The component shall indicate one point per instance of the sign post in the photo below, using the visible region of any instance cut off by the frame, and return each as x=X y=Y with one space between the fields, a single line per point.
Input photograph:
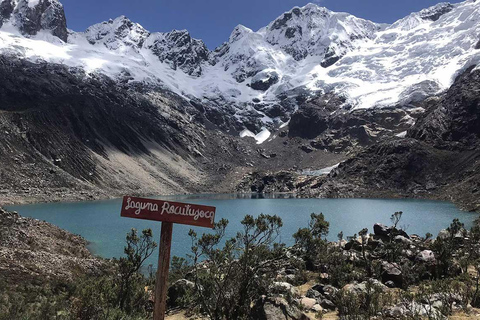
x=168 y=213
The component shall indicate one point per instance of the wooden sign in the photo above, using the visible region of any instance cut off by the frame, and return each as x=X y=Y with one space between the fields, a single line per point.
x=168 y=212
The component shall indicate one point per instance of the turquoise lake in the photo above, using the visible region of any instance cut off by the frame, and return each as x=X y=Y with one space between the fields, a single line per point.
x=100 y=223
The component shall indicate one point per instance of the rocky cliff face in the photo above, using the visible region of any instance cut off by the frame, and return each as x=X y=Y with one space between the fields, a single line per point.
x=33 y=16
x=177 y=48
x=65 y=132
x=455 y=119
x=255 y=78
x=439 y=158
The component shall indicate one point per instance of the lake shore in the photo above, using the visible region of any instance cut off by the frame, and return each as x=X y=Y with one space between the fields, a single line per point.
x=54 y=196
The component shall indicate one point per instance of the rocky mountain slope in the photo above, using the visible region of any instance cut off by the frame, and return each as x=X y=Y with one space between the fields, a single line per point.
x=308 y=51
x=69 y=136
x=35 y=252
x=119 y=109
x=438 y=158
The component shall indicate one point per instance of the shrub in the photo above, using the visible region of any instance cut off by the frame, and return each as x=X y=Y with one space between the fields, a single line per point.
x=229 y=278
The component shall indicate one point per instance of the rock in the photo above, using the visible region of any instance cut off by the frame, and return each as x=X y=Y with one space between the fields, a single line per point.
x=381 y=230
x=443 y=234
x=179 y=50
x=264 y=79
x=318 y=287
x=392 y=272
x=427 y=257
x=308 y=303
x=314 y=294
x=390 y=284
x=274 y=308
x=178 y=290
x=30 y=19
x=307 y=149
x=313 y=118
x=402 y=239
x=362 y=287
x=373 y=243
x=317 y=308
x=325 y=290
x=396 y=312
x=327 y=304
x=353 y=244
x=329 y=291
x=283 y=288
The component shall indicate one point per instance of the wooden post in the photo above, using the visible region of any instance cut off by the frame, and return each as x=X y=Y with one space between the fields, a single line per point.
x=168 y=212
x=161 y=285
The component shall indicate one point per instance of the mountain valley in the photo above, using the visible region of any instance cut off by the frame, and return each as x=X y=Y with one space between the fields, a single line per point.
x=318 y=103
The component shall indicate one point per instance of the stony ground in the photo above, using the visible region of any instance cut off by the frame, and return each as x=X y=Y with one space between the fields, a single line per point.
x=33 y=251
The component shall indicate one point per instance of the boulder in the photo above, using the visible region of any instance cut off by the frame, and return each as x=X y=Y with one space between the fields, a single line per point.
x=329 y=291
x=178 y=291
x=427 y=257
x=314 y=294
x=392 y=272
x=273 y=308
x=381 y=230
x=362 y=287
x=318 y=287
x=443 y=234
x=308 y=303
x=353 y=244
x=317 y=308
x=327 y=304
x=283 y=288
x=264 y=79
x=402 y=239
x=325 y=290
x=373 y=243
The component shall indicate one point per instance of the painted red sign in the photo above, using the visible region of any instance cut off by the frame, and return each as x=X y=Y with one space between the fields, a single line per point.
x=168 y=211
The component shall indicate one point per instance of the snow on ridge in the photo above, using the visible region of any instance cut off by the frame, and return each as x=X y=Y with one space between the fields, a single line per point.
x=372 y=65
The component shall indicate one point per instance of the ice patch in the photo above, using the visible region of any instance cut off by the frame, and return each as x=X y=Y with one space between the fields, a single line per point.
x=401 y=134
x=32 y=3
x=320 y=172
x=260 y=137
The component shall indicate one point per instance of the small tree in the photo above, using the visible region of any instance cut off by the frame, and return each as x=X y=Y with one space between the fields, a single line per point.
x=311 y=240
x=395 y=218
x=138 y=250
x=229 y=279
x=447 y=247
x=366 y=261
x=393 y=250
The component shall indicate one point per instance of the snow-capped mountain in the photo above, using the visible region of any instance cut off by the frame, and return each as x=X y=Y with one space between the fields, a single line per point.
x=32 y=16
x=308 y=51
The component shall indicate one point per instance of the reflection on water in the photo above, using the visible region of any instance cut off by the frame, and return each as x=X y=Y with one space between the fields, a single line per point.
x=231 y=196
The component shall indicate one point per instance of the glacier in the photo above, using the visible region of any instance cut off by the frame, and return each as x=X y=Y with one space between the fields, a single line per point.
x=309 y=50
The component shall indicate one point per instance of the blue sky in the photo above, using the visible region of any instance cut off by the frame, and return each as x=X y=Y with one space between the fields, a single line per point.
x=213 y=20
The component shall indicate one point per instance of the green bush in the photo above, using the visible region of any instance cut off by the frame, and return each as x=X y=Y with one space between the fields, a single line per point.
x=229 y=278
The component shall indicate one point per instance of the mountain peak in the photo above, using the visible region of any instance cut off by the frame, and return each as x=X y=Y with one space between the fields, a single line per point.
x=178 y=49
x=423 y=16
x=117 y=33
x=32 y=16
x=316 y=31
x=238 y=32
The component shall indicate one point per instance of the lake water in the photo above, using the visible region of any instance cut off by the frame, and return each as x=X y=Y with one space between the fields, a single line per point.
x=100 y=223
